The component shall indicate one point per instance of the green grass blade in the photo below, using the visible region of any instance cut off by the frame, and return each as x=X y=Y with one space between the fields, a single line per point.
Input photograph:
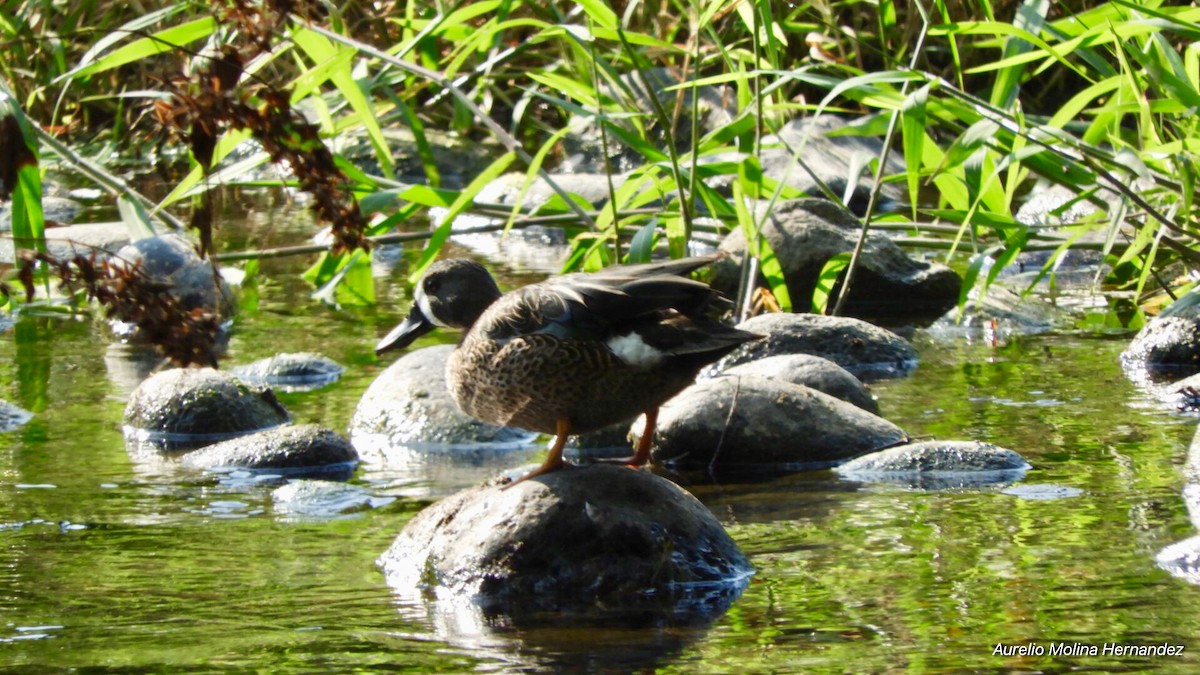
x=830 y=272
x=322 y=50
x=913 y=121
x=165 y=40
x=460 y=204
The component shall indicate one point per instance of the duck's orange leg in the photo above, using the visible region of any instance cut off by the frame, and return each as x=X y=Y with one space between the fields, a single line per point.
x=642 y=455
x=554 y=461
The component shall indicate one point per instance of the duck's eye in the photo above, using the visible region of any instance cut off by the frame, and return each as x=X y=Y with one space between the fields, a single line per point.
x=431 y=286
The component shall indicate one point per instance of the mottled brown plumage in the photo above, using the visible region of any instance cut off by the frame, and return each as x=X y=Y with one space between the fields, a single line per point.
x=574 y=353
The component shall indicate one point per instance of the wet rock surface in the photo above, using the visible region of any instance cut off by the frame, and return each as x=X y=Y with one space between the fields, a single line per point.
x=323 y=499
x=938 y=465
x=594 y=536
x=291 y=372
x=1181 y=559
x=805 y=233
x=866 y=351
x=306 y=448
x=997 y=317
x=1167 y=348
x=12 y=416
x=747 y=422
x=409 y=406
x=190 y=407
x=811 y=371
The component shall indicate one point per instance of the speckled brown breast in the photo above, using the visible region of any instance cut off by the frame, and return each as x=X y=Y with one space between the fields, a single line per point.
x=532 y=381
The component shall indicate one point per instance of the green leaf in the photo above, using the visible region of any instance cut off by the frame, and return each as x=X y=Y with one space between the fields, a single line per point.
x=21 y=158
x=1031 y=15
x=831 y=271
x=599 y=12
x=321 y=50
x=351 y=284
x=136 y=219
x=464 y=199
x=168 y=39
x=642 y=244
x=912 y=117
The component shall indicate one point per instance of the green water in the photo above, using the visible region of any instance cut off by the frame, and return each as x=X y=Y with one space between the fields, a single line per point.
x=106 y=565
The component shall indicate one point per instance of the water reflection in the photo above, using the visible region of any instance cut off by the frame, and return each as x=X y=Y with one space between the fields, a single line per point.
x=649 y=633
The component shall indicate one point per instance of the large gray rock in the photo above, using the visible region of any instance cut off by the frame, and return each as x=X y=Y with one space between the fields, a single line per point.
x=867 y=351
x=186 y=408
x=815 y=372
x=746 y=422
x=302 y=449
x=409 y=406
x=937 y=465
x=593 y=536
x=805 y=233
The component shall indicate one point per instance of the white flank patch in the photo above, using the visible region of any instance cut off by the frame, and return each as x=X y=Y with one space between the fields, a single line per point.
x=423 y=303
x=633 y=350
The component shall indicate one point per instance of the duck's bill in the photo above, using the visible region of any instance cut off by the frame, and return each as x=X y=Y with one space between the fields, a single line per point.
x=413 y=327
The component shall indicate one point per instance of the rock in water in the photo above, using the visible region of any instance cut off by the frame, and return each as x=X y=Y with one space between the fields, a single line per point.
x=409 y=406
x=185 y=408
x=303 y=449
x=738 y=423
x=583 y=537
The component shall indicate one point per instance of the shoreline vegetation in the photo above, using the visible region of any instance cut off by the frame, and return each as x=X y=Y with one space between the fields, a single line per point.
x=983 y=103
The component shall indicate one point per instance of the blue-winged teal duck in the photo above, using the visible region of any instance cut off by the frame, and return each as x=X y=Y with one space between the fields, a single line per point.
x=574 y=353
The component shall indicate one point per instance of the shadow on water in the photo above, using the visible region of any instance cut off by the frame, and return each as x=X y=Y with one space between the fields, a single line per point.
x=648 y=633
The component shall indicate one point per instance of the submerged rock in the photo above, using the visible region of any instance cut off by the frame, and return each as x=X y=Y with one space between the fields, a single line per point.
x=301 y=371
x=805 y=233
x=997 y=315
x=744 y=422
x=304 y=449
x=12 y=416
x=409 y=406
x=938 y=465
x=323 y=499
x=1182 y=560
x=867 y=351
x=593 y=536
x=185 y=408
x=811 y=371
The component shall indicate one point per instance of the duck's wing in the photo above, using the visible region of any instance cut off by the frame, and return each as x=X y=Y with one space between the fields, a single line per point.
x=622 y=292
x=596 y=305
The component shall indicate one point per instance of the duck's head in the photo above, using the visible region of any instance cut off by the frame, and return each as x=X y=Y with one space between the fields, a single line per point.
x=451 y=294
